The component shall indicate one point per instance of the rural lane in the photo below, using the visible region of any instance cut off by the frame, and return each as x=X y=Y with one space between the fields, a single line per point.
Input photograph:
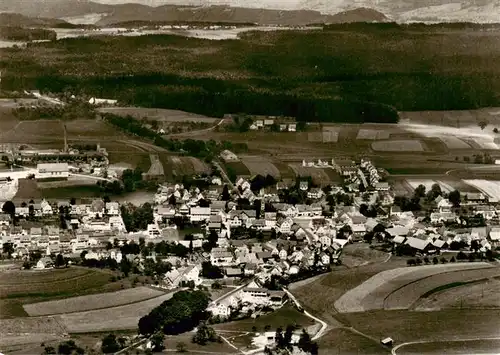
x=324 y=325
x=195 y=133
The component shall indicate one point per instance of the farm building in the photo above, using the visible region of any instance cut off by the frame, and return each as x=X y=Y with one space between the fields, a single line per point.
x=52 y=171
x=96 y=101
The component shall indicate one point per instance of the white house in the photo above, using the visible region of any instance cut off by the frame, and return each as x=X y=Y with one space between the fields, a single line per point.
x=112 y=208
x=382 y=186
x=221 y=257
x=44 y=263
x=443 y=204
x=315 y=193
x=52 y=171
x=200 y=214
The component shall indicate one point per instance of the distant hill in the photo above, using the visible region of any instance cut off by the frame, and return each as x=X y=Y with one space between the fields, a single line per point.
x=18 y=20
x=86 y=12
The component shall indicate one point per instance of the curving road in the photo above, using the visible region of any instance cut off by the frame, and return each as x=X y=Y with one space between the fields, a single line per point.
x=324 y=325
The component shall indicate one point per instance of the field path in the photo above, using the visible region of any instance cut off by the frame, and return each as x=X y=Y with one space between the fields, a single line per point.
x=198 y=132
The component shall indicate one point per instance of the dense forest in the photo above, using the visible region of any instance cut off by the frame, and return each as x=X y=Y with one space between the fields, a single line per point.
x=342 y=73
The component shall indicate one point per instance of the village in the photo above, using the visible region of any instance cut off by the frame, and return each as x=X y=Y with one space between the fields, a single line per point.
x=256 y=237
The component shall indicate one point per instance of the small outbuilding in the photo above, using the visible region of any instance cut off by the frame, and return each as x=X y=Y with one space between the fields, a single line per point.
x=387 y=341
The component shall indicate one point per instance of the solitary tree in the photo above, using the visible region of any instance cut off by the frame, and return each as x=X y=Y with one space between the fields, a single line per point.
x=9 y=208
x=454 y=198
x=109 y=344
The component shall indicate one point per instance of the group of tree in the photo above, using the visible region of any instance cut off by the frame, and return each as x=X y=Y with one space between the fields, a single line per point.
x=74 y=109
x=283 y=342
x=427 y=261
x=205 y=334
x=181 y=313
x=68 y=347
x=112 y=344
x=137 y=218
x=210 y=271
x=198 y=148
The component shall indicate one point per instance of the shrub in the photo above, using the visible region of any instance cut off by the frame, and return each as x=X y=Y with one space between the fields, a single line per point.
x=443 y=260
x=435 y=260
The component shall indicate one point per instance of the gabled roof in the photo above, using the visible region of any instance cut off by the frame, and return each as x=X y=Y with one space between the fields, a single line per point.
x=416 y=243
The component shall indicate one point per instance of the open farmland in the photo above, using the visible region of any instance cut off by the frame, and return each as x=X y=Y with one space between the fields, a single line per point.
x=373 y=134
x=181 y=165
x=22 y=287
x=238 y=167
x=92 y=129
x=456 y=119
x=408 y=145
x=90 y=302
x=372 y=294
x=260 y=166
x=39 y=131
x=406 y=296
x=318 y=175
x=481 y=294
x=7 y=120
x=285 y=171
x=162 y=115
x=408 y=326
x=113 y=318
x=454 y=143
x=490 y=188
x=30 y=329
x=199 y=167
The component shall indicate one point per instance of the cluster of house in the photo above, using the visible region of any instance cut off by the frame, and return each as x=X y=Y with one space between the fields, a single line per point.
x=248 y=297
x=363 y=174
x=283 y=124
x=87 y=225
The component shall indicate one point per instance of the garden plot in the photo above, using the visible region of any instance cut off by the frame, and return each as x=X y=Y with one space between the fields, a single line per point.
x=114 y=318
x=260 y=166
x=373 y=134
x=454 y=143
x=90 y=302
x=491 y=188
x=409 y=145
x=370 y=295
